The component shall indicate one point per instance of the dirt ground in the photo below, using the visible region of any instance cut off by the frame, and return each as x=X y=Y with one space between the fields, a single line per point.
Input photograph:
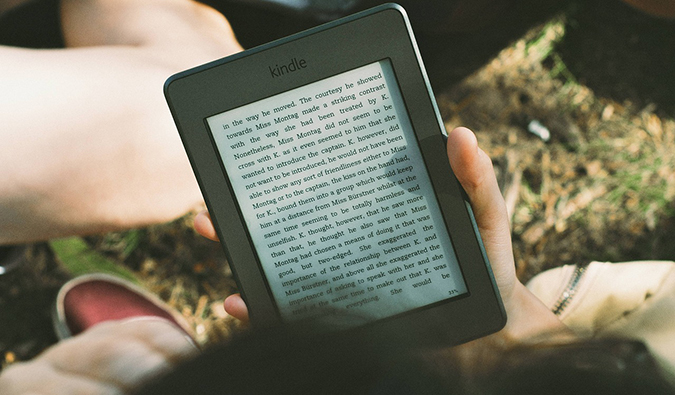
x=596 y=74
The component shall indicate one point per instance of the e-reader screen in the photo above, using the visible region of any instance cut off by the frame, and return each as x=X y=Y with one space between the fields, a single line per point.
x=332 y=186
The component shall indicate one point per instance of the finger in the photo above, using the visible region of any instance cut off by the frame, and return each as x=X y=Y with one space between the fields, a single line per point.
x=235 y=306
x=204 y=226
x=40 y=377
x=123 y=353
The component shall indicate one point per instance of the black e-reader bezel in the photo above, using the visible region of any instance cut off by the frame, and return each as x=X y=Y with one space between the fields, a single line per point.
x=381 y=33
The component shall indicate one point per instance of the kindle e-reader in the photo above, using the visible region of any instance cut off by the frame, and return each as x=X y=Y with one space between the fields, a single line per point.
x=322 y=161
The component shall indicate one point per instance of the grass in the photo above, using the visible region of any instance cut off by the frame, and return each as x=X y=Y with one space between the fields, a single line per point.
x=79 y=258
x=609 y=197
x=607 y=194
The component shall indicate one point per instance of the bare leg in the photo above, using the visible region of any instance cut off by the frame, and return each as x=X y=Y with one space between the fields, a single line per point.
x=88 y=144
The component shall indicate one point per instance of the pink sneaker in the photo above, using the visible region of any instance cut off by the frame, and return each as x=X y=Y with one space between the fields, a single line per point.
x=93 y=298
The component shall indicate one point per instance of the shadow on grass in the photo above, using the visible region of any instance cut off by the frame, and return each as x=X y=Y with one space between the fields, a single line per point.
x=449 y=56
x=621 y=53
x=26 y=297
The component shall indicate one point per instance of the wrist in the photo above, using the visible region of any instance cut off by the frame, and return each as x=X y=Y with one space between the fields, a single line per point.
x=529 y=322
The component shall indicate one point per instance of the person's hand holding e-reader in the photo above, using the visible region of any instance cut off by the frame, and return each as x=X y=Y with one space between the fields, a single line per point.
x=321 y=158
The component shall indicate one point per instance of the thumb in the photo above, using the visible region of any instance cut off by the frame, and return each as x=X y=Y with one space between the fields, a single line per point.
x=473 y=168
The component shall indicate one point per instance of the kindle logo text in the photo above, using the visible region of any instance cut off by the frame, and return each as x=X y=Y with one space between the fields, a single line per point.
x=294 y=65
